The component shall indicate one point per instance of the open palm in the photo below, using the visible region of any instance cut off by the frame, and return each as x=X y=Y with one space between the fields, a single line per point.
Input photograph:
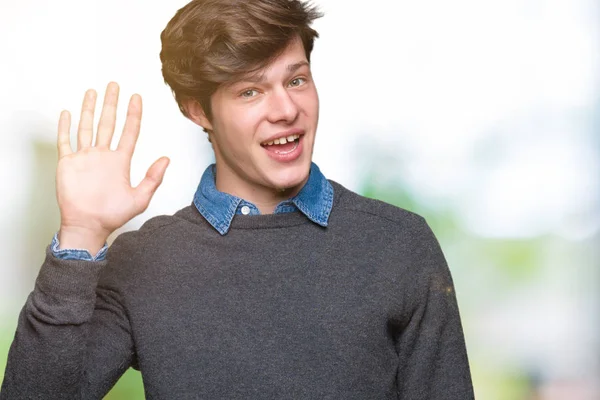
x=93 y=185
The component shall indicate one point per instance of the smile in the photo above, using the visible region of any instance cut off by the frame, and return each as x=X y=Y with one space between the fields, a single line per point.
x=284 y=149
x=282 y=145
x=288 y=149
x=281 y=140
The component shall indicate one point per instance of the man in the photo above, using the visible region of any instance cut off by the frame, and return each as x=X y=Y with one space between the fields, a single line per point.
x=273 y=283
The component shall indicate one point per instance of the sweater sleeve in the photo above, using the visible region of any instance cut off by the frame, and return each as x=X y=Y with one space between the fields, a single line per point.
x=433 y=360
x=73 y=336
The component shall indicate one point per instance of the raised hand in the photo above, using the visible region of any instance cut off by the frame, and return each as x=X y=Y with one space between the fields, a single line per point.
x=93 y=185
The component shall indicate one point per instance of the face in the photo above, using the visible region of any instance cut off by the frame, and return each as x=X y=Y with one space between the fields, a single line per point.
x=282 y=102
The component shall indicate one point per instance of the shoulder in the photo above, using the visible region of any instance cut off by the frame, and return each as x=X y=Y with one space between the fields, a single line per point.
x=131 y=251
x=154 y=234
x=354 y=207
x=395 y=237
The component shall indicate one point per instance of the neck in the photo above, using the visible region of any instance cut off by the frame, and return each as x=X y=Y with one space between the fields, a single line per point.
x=265 y=198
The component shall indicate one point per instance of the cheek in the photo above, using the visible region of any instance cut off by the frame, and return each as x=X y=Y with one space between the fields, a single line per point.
x=309 y=102
x=231 y=121
x=239 y=127
x=316 y=107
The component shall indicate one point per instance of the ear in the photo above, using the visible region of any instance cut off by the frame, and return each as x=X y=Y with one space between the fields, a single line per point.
x=196 y=114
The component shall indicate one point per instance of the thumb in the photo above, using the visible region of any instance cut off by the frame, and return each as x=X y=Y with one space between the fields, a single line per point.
x=146 y=188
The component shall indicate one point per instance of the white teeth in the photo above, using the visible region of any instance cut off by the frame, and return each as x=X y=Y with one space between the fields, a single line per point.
x=282 y=140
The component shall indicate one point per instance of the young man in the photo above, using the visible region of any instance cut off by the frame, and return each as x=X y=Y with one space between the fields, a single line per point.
x=273 y=283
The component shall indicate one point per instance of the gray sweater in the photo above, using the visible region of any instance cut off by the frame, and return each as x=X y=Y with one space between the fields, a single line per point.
x=279 y=308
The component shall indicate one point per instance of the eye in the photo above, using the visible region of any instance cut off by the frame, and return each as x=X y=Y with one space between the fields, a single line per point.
x=248 y=93
x=297 y=81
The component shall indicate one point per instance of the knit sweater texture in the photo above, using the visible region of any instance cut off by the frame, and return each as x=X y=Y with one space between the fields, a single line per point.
x=278 y=308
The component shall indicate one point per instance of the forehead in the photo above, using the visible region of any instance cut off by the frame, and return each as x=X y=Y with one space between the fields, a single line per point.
x=289 y=60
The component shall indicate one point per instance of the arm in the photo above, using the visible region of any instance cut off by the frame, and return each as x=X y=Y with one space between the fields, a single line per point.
x=73 y=337
x=76 y=254
x=433 y=360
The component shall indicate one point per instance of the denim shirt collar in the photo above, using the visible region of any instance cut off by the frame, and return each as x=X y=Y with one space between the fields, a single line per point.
x=314 y=200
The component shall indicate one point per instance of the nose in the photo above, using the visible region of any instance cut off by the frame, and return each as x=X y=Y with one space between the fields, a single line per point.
x=282 y=107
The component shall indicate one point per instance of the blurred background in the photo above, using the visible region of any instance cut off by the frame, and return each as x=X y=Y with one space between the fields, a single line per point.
x=482 y=116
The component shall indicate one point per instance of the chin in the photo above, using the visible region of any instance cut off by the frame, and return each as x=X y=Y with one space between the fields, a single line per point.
x=283 y=186
x=291 y=180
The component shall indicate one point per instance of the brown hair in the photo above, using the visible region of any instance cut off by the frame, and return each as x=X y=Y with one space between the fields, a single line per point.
x=211 y=42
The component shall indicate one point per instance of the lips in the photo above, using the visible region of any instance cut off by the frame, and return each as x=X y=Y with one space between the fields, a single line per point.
x=284 y=148
x=286 y=152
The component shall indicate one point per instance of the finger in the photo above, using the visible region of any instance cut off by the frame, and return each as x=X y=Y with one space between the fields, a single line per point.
x=85 y=132
x=106 y=125
x=64 y=136
x=131 y=130
x=146 y=188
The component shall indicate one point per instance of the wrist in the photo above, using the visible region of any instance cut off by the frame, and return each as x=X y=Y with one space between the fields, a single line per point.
x=81 y=238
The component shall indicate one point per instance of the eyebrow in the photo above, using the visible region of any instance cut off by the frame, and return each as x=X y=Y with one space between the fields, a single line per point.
x=259 y=78
x=294 y=67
